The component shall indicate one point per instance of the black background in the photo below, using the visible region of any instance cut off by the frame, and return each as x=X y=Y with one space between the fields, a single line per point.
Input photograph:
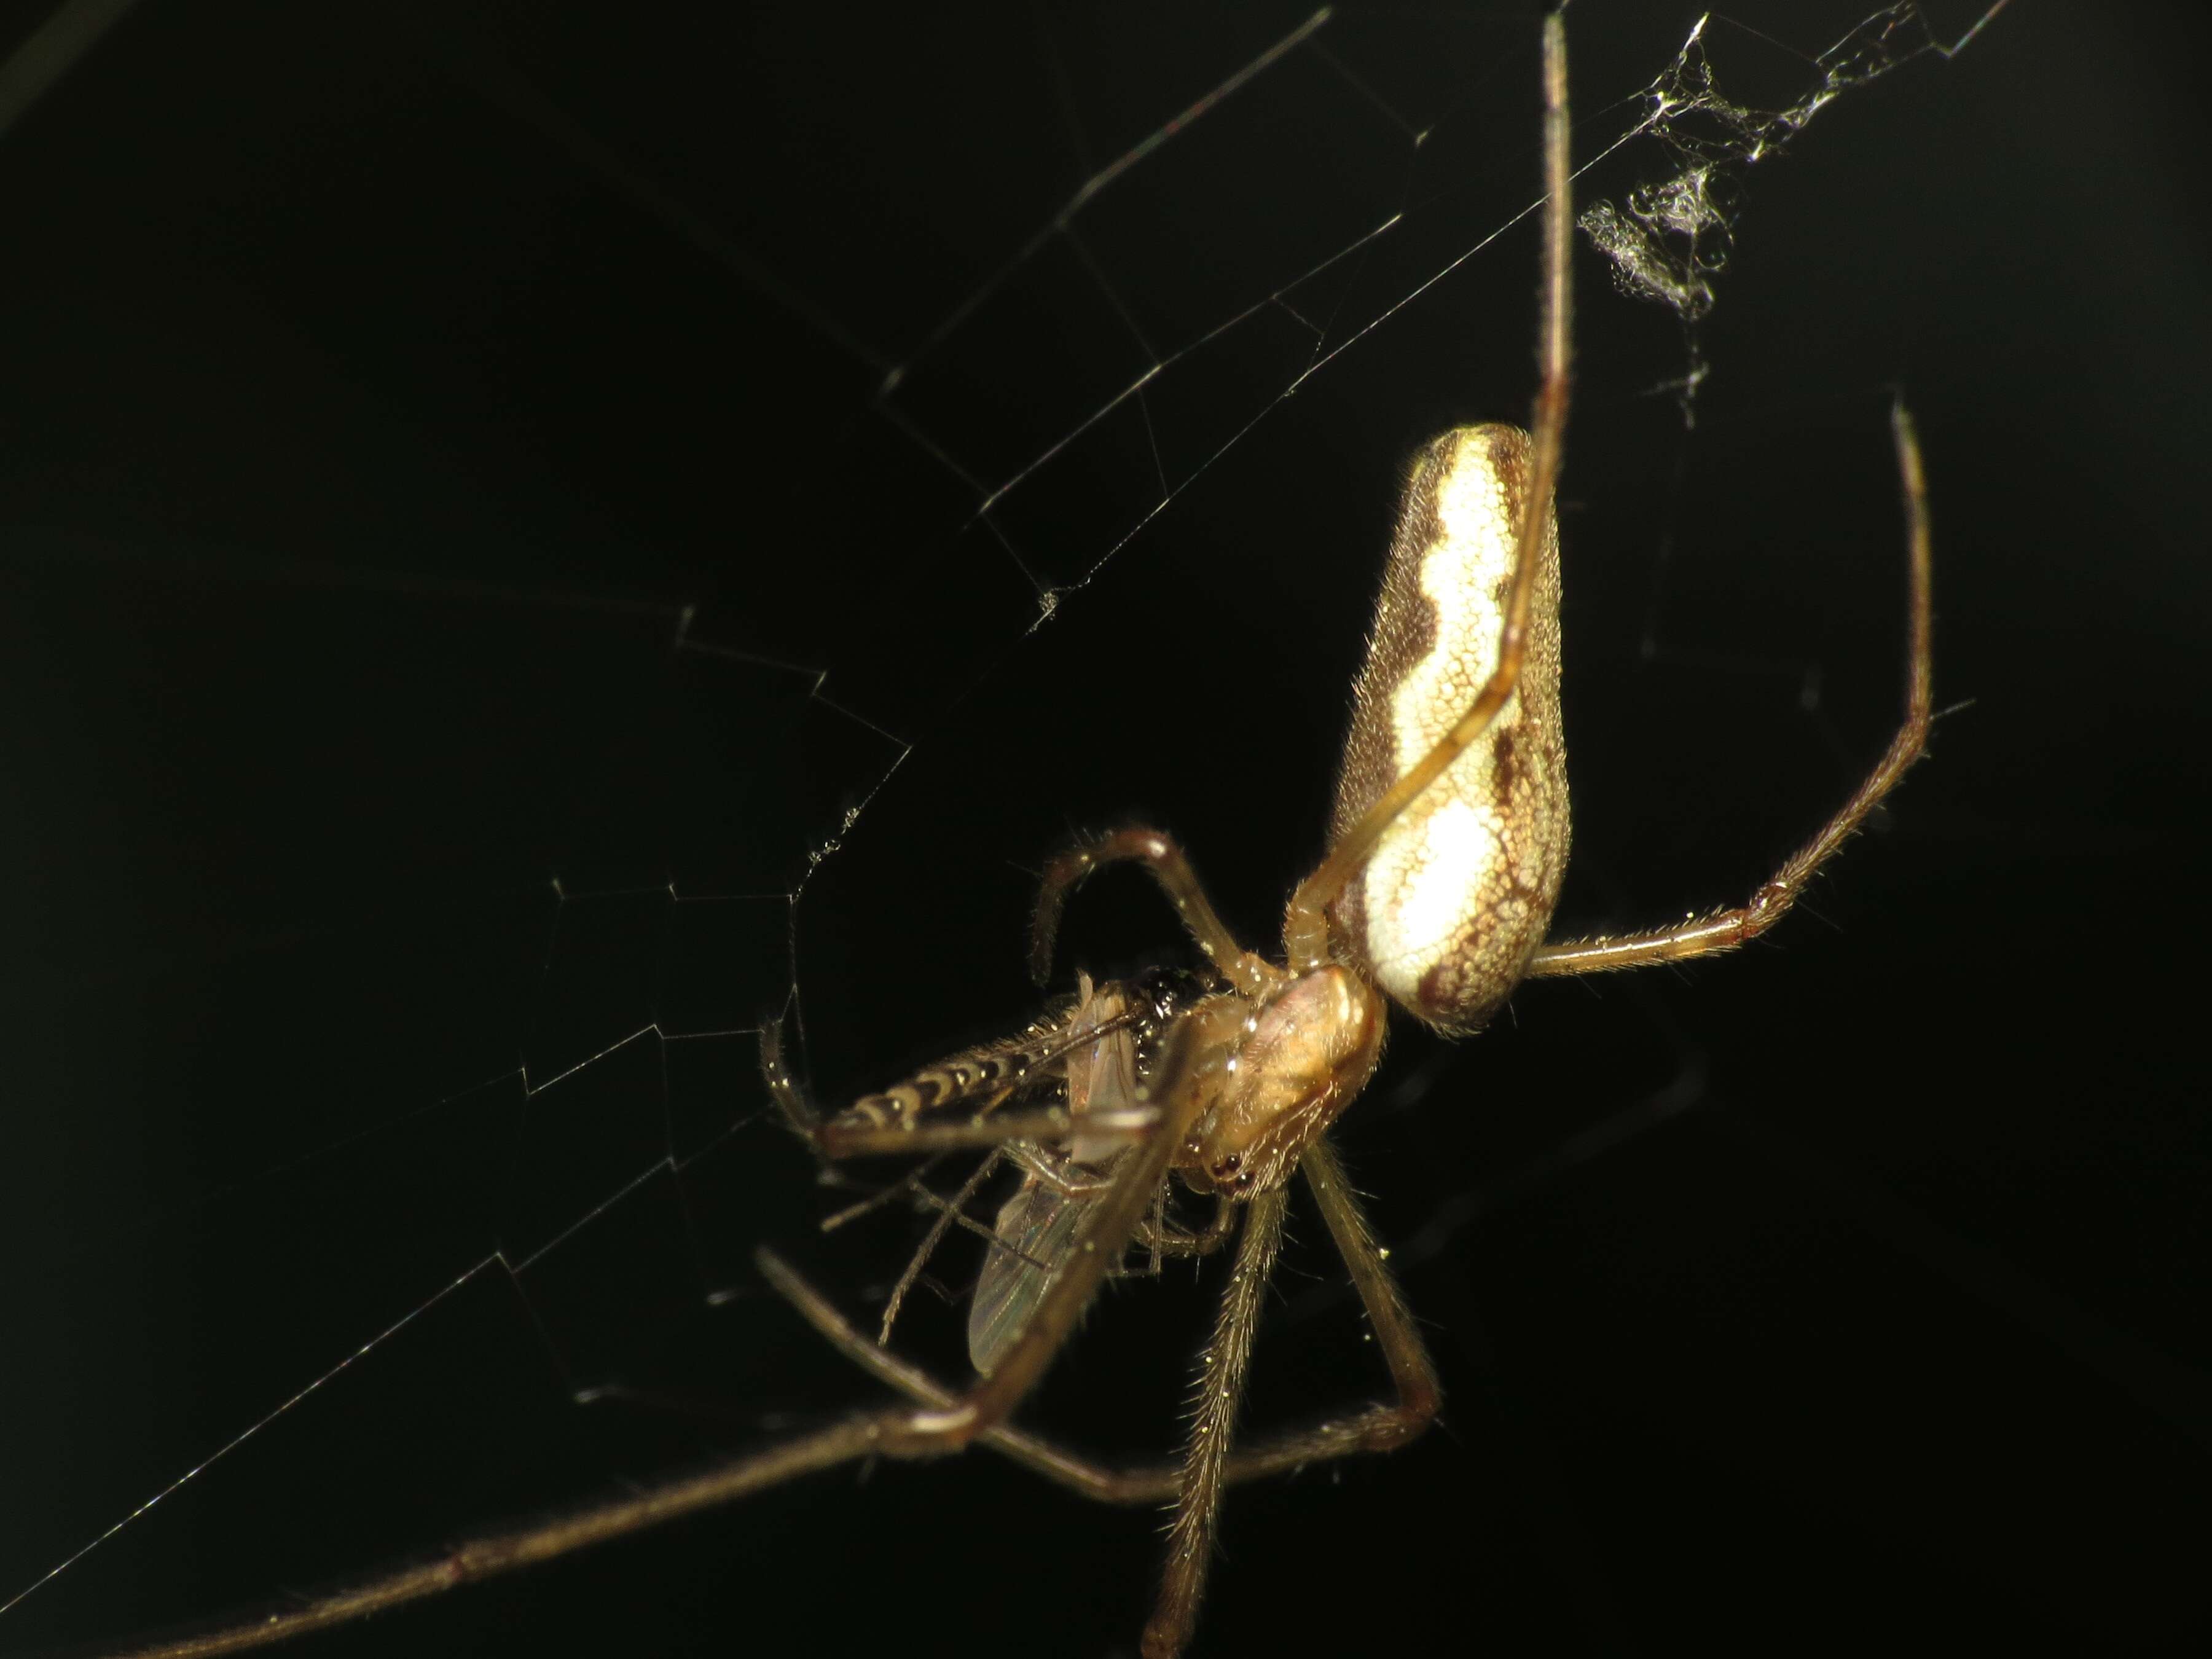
x=441 y=457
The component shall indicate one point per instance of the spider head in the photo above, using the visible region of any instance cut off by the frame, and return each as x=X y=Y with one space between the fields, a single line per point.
x=1289 y=1065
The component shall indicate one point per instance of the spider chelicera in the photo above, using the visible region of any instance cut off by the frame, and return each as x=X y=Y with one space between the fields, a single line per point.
x=1446 y=848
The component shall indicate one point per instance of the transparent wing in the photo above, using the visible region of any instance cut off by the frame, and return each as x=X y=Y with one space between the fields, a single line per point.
x=1035 y=1230
x=1036 y=1227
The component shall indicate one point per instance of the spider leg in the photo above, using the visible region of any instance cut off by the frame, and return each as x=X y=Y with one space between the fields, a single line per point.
x=936 y=1429
x=1164 y=860
x=1139 y=1483
x=840 y=1140
x=497 y=1554
x=1208 y=1465
x=1727 y=929
x=1305 y=928
x=1222 y=1370
x=1380 y=1426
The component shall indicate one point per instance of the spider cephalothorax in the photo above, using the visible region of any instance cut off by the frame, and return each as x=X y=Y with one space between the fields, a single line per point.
x=1288 y=1063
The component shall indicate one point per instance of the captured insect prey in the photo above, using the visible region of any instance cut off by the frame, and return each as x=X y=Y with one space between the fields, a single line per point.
x=1167 y=1113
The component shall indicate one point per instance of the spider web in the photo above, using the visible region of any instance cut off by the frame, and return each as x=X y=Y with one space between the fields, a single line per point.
x=548 y=539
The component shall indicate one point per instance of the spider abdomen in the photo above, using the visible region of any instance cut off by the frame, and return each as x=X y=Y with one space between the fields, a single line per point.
x=1460 y=887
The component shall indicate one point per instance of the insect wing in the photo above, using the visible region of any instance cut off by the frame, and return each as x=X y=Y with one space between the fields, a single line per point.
x=1036 y=1228
x=1036 y=1235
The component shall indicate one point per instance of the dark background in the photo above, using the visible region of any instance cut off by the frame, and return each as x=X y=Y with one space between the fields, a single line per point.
x=461 y=560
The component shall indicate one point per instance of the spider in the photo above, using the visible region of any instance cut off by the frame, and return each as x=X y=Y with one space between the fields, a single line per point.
x=1446 y=848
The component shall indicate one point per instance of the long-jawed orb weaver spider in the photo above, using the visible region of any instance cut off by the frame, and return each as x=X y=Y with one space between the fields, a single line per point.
x=1447 y=846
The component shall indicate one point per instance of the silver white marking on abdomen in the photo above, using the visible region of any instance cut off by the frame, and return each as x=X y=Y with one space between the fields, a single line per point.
x=1460 y=889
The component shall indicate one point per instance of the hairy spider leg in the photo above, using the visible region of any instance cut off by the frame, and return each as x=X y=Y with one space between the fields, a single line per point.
x=1210 y=1465
x=1770 y=901
x=1376 y=1427
x=931 y=1431
x=1167 y=863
